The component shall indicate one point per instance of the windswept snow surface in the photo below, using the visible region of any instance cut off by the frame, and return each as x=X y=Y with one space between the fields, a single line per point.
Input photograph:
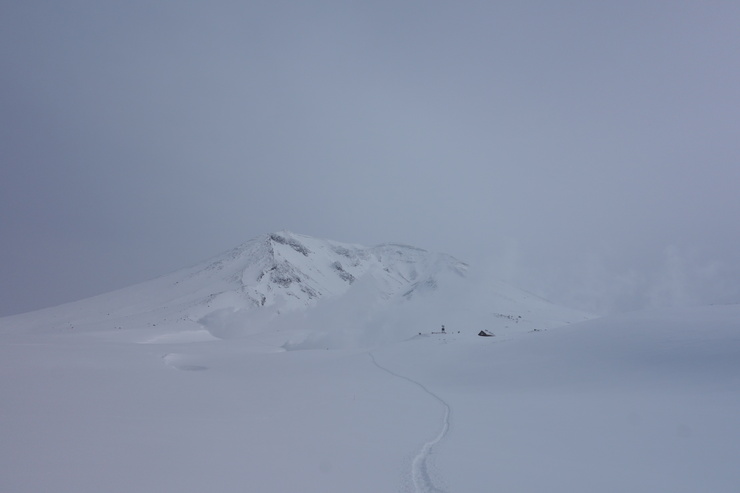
x=641 y=403
x=153 y=388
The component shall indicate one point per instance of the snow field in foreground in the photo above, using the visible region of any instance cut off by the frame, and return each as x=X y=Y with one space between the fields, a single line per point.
x=644 y=402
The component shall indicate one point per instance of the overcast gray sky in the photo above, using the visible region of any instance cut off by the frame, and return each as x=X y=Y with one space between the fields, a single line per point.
x=588 y=151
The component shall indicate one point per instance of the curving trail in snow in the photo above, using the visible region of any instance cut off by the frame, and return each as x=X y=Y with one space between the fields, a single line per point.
x=423 y=482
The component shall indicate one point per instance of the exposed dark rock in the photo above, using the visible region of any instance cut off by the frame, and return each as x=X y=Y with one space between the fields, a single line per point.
x=346 y=276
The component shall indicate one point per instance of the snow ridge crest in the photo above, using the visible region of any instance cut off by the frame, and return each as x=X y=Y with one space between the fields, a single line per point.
x=297 y=270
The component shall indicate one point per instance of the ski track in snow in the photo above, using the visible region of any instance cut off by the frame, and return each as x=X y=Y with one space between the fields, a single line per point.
x=423 y=482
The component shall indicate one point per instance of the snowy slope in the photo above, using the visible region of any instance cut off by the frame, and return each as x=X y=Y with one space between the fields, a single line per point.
x=301 y=291
x=642 y=403
x=219 y=379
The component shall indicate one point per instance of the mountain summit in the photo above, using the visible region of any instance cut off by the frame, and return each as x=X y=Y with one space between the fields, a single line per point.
x=298 y=270
x=294 y=290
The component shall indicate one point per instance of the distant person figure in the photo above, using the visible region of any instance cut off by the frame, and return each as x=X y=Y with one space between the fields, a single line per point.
x=443 y=329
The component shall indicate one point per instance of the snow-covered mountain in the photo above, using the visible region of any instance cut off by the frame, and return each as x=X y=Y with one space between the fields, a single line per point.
x=192 y=382
x=299 y=291
x=296 y=271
